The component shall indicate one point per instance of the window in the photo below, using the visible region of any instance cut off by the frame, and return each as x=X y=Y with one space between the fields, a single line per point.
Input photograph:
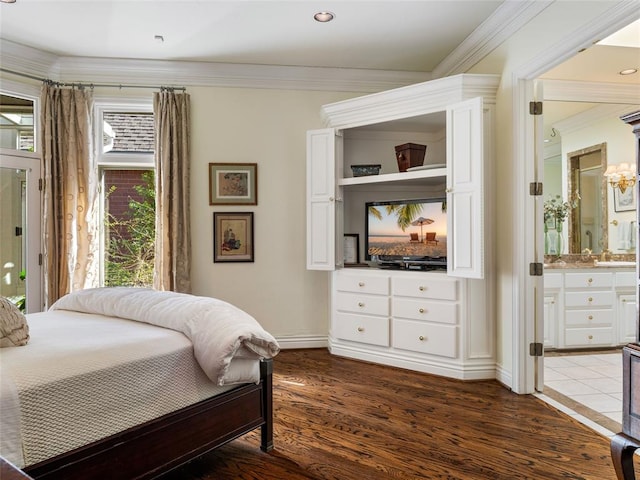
x=16 y=123
x=20 y=201
x=126 y=168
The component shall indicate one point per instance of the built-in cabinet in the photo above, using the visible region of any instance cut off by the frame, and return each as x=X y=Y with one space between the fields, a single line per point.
x=588 y=308
x=427 y=321
x=437 y=322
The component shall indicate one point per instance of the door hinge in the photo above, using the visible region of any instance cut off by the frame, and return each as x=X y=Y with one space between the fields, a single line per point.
x=535 y=349
x=535 y=188
x=535 y=108
x=535 y=269
x=40 y=184
x=40 y=259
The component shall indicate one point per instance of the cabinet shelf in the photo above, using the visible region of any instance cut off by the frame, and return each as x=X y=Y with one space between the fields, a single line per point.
x=394 y=177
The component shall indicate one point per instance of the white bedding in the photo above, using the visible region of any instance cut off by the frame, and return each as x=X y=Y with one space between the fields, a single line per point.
x=220 y=332
x=106 y=374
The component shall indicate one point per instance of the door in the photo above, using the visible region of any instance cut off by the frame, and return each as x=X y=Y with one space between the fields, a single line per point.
x=465 y=193
x=20 y=230
x=321 y=199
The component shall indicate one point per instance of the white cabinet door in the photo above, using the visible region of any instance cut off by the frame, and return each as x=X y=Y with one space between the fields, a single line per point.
x=550 y=319
x=627 y=318
x=321 y=211
x=465 y=195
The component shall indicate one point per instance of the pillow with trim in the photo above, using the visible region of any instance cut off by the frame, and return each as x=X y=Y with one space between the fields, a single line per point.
x=14 y=330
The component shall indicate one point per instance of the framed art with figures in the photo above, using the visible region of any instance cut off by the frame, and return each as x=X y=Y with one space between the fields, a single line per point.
x=233 y=237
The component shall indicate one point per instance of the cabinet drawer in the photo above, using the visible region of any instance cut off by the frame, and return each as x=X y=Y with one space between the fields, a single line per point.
x=588 y=318
x=426 y=287
x=426 y=338
x=625 y=279
x=364 y=304
x=375 y=284
x=589 y=299
x=588 y=280
x=360 y=328
x=552 y=280
x=586 y=337
x=440 y=312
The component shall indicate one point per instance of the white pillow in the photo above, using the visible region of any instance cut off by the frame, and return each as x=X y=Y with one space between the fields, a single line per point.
x=14 y=330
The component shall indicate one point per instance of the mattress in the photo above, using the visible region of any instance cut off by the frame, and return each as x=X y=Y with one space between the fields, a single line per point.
x=84 y=377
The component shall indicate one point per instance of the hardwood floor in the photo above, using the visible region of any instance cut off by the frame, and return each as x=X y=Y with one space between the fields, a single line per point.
x=342 y=419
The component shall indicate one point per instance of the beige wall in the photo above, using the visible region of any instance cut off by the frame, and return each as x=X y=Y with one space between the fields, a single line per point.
x=267 y=127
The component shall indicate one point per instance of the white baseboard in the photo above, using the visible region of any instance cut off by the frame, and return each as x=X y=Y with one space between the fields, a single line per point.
x=303 y=341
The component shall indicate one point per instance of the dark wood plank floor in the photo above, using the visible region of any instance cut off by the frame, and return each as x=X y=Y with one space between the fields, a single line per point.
x=342 y=419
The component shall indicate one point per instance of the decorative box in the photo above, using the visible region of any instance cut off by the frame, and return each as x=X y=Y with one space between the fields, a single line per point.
x=365 y=170
x=410 y=155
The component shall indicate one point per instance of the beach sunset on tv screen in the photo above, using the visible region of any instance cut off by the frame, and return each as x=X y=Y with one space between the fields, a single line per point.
x=424 y=234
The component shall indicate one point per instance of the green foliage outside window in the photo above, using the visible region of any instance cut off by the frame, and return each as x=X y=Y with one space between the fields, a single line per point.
x=130 y=241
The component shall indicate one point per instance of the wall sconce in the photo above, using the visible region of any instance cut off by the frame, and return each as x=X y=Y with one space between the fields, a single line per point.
x=620 y=176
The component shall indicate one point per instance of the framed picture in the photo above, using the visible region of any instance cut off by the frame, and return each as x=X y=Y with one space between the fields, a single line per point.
x=233 y=184
x=351 y=248
x=624 y=202
x=233 y=237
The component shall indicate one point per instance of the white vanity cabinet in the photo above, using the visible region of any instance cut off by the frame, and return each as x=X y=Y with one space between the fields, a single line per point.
x=595 y=307
x=423 y=321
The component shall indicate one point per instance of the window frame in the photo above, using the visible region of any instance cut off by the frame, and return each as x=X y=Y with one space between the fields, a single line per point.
x=116 y=161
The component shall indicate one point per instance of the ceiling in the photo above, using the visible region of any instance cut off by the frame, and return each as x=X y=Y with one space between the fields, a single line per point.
x=381 y=35
x=392 y=35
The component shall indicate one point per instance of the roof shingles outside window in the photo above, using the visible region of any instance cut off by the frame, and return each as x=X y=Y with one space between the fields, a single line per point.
x=134 y=132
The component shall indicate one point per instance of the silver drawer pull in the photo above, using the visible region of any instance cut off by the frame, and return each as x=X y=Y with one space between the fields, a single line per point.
x=590 y=299
x=421 y=310
x=590 y=317
x=590 y=337
x=590 y=280
x=361 y=284
x=422 y=338
x=360 y=304
x=360 y=329
x=421 y=288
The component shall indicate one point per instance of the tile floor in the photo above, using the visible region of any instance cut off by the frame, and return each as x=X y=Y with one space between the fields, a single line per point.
x=587 y=386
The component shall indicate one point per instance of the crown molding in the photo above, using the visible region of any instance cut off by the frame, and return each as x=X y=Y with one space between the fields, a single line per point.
x=508 y=18
x=592 y=92
x=35 y=63
x=595 y=114
x=614 y=18
x=413 y=100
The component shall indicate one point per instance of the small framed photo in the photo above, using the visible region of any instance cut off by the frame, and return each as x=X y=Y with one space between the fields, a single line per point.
x=624 y=202
x=351 y=248
x=233 y=184
x=233 y=237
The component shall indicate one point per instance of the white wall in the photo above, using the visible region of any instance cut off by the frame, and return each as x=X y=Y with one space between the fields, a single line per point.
x=267 y=127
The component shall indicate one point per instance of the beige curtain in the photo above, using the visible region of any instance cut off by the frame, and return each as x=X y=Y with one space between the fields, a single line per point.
x=70 y=192
x=173 y=231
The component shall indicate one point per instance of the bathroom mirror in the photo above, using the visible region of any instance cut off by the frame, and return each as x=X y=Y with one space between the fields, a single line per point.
x=588 y=221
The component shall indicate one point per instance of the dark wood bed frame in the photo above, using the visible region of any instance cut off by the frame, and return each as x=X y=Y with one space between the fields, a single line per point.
x=155 y=447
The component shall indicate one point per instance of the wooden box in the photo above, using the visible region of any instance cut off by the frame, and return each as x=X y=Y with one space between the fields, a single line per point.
x=410 y=155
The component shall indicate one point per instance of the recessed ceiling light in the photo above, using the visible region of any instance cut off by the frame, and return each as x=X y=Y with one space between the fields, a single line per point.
x=324 y=17
x=628 y=71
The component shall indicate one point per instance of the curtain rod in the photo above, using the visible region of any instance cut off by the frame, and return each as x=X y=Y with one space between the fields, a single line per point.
x=90 y=85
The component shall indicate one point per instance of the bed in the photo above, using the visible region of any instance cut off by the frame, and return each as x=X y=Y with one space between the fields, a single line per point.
x=130 y=383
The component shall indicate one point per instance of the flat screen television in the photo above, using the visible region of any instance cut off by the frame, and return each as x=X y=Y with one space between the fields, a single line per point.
x=407 y=232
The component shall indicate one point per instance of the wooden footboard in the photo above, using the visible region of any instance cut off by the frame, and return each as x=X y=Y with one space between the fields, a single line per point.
x=155 y=447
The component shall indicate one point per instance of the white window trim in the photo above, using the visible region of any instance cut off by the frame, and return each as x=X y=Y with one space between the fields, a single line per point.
x=116 y=161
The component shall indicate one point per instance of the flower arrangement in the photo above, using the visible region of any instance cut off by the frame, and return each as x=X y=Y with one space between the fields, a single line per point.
x=556 y=209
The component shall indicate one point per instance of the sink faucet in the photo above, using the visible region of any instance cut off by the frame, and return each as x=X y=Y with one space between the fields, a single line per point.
x=604 y=254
